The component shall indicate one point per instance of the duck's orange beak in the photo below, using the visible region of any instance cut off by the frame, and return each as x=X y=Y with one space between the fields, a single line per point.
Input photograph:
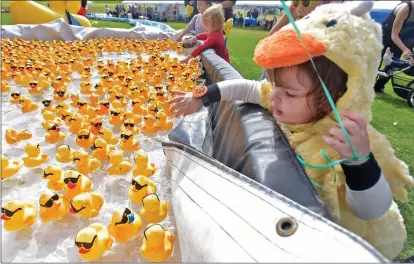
x=284 y=48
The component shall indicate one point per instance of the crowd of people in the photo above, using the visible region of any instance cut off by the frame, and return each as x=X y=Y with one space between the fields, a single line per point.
x=135 y=11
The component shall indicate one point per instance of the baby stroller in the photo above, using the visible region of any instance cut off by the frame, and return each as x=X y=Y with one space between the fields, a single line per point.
x=402 y=76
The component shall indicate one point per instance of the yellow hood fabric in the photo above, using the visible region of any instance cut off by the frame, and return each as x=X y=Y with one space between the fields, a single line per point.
x=354 y=44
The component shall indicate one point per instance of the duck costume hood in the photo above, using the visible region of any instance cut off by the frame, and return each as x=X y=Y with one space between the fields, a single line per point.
x=346 y=35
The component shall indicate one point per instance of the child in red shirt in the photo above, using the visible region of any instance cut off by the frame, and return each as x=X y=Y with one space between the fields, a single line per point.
x=213 y=22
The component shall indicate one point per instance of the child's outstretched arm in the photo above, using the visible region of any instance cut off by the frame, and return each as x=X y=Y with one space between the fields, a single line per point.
x=190 y=26
x=241 y=90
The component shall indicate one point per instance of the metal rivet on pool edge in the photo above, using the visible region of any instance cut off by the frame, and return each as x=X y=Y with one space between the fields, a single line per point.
x=286 y=226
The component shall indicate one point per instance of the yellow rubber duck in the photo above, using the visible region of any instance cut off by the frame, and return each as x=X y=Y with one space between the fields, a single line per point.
x=85 y=109
x=85 y=138
x=27 y=105
x=35 y=89
x=48 y=106
x=87 y=204
x=76 y=183
x=75 y=99
x=138 y=108
x=140 y=187
x=66 y=115
x=50 y=118
x=119 y=166
x=99 y=89
x=101 y=149
x=96 y=125
x=53 y=134
x=87 y=71
x=61 y=107
x=9 y=169
x=153 y=209
x=94 y=101
x=125 y=224
x=85 y=88
x=149 y=125
x=55 y=176
x=117 y=117
x=5 y=87
x=13 y=136
x=18 y=215
x=76 y=123
x=157 y=244
x=85 y=163
x=53 y=206
x=59 y=94
x=103 y=108
x=93 y=241
x=64 y=154
x=129 y=125
x=34 y=158
x=163 y=124
x=128 y=143
x=15 y=97
x=143 y=167
x=107 y=135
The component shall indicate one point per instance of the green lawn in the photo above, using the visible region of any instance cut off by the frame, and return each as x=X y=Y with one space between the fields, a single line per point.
x=391 y=116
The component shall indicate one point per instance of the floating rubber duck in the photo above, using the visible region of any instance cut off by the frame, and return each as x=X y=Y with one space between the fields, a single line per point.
x=130 y=125
x=140 y=187
x=125 y=224
x=117 y=117
x=53 y=206
x=76 y=183
x=119 y=165
x=13 y=136
x=34 y=88
x=101 y=149
x=85 y=109
x=107 y=135
x=93 y=241
x=76 y=123
x=149 y=125
x=9 y=169
x=50 y=118
x=166 y=108
x=48 y=106
x=142 y=166
x=75 y=99
x=66 y=115
x=61 y=107
x=103 y=108
x=85 y=163
x=5 y=87
x=87 y=204
x=87 y=72
x=15 y=97
x=119 y=102
x=85 y=139
x=128 y=143
x=64 y=154
x=53 y=134
x=18 y=215
x=138 y=108
x=99 y=89
x=96 y=125
x=94 y=101
x=153 y=209
x=34 y=158
x=55 y=176
x=27 y=105
x=85 y=88
x=163 y=124
x=157 y=244
x=59 y=94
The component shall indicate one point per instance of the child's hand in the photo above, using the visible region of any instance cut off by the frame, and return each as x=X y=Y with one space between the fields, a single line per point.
x=185 y=61
x=357 y=130
x=185 y=103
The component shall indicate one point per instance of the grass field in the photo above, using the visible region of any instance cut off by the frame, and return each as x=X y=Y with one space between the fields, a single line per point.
x=391 y=115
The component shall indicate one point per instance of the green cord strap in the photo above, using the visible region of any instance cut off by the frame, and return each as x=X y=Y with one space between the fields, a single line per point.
x=331 y=164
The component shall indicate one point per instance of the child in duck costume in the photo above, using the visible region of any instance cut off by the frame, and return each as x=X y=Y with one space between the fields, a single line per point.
x=345 y=45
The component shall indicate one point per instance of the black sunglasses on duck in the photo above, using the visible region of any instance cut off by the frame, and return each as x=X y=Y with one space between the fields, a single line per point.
x=126 y=136
x=49 y=202
x=9 y=213
x=86 y=245
x=137 y=185
x=71 y=180
x=114 y=113
x=84 y=136
x=125 y=218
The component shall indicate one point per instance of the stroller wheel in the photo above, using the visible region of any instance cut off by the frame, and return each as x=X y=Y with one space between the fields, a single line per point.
x=410 y=98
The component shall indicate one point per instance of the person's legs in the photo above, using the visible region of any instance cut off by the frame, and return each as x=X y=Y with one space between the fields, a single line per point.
x=382 y=81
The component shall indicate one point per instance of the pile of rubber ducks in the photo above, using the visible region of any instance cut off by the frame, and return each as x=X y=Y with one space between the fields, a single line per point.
x=129 y=97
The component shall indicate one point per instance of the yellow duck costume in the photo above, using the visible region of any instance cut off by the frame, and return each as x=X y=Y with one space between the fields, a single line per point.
x=353 y=43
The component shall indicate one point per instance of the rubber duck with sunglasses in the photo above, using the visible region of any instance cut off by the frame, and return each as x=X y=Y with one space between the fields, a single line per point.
x=53 y=134
x=128 y=142
x=17 y=215
x=140 y=187
x=93 y=241
x=48 y=106
x=125 y=224
x=75 y=183
x=96 y=125
x=53 y=206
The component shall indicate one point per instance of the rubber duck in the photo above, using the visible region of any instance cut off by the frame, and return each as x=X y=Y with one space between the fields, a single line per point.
x=64 y=154
x=130 y=125
x=13 y=136
x=74 y=98
x=119 y=102
x=53 y=134
x=34 y=88
x=15 y=97
x=34 y=158
x=53 y=206
x=59 y=94
x=157 y=244
x=85 y=109
x=86 y=164
x=166 y=108
x=18 y=215
x=107 y=135
x=55 y=176
x=85 y=88
x=125 y=224
x=149 y=125
x=76 y=123
x=140 y=187
x=93 y=241
x=5 y=87
x=153 y=209
x=76 y=183
x=103 y=108
x=27 y=105
x=94 y=101
x=96 y=125
x=128 y=143
x=163 y=124
x=43 y=81
x=133 y=92
x=86 y=72
x=87 y=204
x=48 y=106
x=61 y=107
x=101 y=149
x=117 y=117
x=66 y=115
x=119 y=165
x=99 y=89
x=142 y=166
x=9 y=169
x=138 y=107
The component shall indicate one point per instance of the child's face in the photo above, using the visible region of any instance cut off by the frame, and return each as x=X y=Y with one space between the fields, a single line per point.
x=289 y=101
x=202 y=6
